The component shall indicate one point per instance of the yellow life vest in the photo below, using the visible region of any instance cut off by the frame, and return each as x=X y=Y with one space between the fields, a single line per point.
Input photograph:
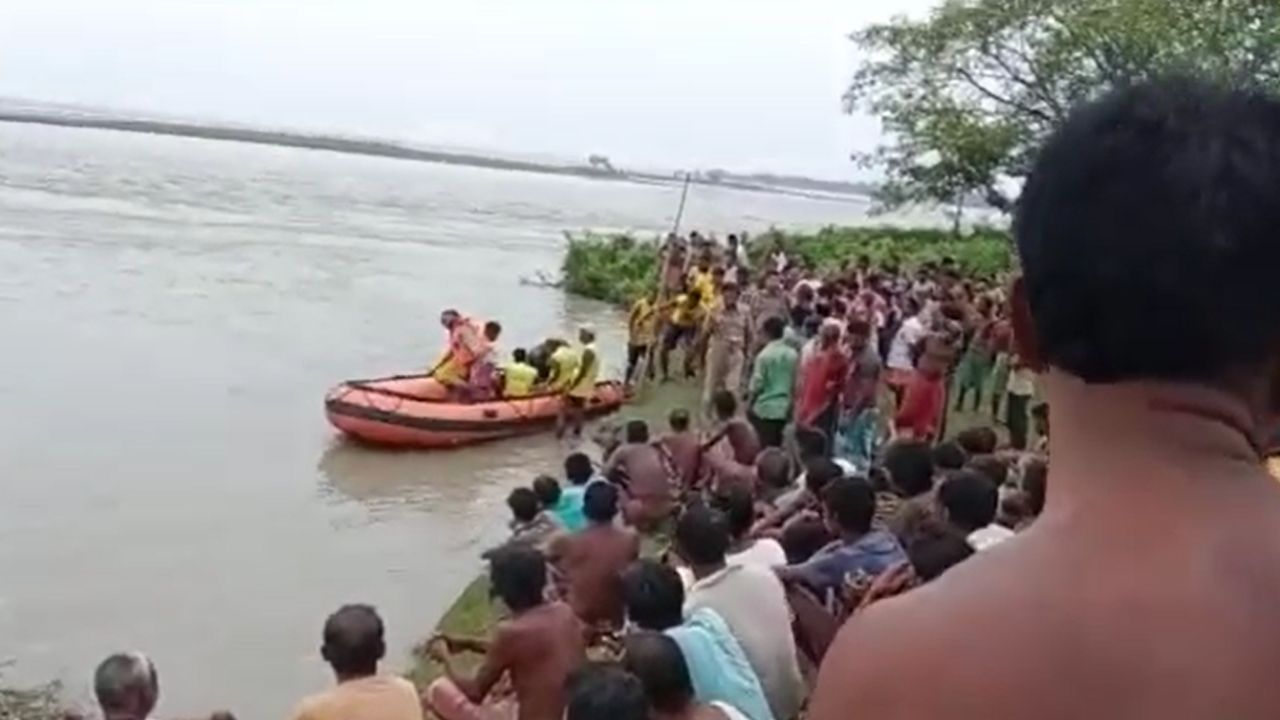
x=586 y=386
x=518 y=379
x=564 y=364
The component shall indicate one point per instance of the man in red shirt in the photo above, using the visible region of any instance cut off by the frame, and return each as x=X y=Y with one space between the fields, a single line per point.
x=920 y=414
x=821 y=381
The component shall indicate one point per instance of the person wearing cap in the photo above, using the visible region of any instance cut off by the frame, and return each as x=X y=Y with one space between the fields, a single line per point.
x=581 y=387
x=729 y=336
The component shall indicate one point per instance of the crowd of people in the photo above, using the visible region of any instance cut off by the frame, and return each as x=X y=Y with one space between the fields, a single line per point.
x=829 y=543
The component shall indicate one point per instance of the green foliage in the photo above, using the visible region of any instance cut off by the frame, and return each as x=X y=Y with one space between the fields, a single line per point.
x=618 y=268
x=613 y=268
x=966 y=93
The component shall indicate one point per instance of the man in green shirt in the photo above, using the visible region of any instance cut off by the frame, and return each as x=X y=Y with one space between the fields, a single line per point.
x=773 y=379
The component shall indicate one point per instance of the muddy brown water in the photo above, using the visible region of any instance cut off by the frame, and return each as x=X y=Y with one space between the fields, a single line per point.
x=172 y=312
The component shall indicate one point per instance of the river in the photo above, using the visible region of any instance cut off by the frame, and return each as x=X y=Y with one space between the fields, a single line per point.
x=173 y=311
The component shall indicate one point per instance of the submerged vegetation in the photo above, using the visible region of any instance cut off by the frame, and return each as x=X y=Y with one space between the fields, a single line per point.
x=618 y=268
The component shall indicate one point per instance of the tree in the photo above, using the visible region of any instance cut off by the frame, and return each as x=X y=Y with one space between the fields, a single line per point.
x=601 y=163
x=966 y=94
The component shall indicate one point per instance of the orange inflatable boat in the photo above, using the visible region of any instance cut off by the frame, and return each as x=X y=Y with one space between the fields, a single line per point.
x=414 y=411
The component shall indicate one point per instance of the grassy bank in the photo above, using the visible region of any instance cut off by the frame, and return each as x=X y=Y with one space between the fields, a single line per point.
x=617 y=268
x=35 y=703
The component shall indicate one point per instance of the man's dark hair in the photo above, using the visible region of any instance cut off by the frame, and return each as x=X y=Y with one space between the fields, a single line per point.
x=654 y=595
x=774 y=327
x=970 y=499
x=524 y=504
x=656 y=659
x=520 y=355
x=678 y=420
x=980 y=440
x=518 y=575
x=353 y=640
x=600 y=502
x=949 y=456
x=739 y=509
x=1157 y=200
x=604 y=690
x=851 y=503
x=637 y=431
x=724 y=403
x=773 y=468
x=819 y=472
x=934 y=551
x=126 y=683
x=702 y=536
x=578 y=468
x=547 y=490
x=1034 y=477
x=492 y=329
x=811 y=442
x=802 y=538
x=910 y=466
x=995 y=469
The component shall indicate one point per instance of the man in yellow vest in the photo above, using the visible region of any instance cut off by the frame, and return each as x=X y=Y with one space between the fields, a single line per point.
x=579 y=391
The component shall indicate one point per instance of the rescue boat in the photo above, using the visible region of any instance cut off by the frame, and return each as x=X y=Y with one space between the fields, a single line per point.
x=414 y=411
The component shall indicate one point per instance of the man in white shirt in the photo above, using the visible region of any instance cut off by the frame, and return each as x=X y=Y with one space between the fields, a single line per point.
x=752 y=602
x=900 y=361
x=967 y=500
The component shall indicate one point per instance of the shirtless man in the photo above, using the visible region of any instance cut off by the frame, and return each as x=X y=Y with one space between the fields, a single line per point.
x=1147 y=234
x=594 y=559
x=682 y=444
x=736 y=430
x=539 y=646
x=638 y=466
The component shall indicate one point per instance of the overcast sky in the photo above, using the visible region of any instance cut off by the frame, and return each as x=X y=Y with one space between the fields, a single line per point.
x=740 y=84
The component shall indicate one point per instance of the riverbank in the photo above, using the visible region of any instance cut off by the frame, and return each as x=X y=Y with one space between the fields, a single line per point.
x=618 y=268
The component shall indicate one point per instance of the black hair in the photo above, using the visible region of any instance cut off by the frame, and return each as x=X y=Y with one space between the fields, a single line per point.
x=802 y=538
x=812 y=324
x=493 y=328
x=547 y=490
x=933 y=553
x=811 y=442
x=980 y=440
x=1034 y=476
x=656 y=659
x=353 y=640
x=773 y=468
x=739 y=509
x=949 y=456
x=724 y=403
x=970 y=499
x=578 y=468
x=520 y=355
x=1156 y=200
x=637 y=431
x=524 y=504
x=600 y=502
x=678 y=420
x=702 y=536
x=774 y=327
x=654 y=595
x=910 y=466
x=518 y=575
x=851 y=503
x=604 y=690
x=993 y=468
x=819 y=472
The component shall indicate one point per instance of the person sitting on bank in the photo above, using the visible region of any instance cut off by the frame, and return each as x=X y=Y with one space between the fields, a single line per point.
x=353 y=646
x=127 y=687
x=603 y=690
x=718 y=668
x=736 y=431
x=967 y=502
x=531 y=525
x=751 y=601
x=638 y=466
x=682 y=445
x=657 y=661
x=538 y=647
x=518 y=376
x=592 y=561
x=581 y=388
x=739 y=508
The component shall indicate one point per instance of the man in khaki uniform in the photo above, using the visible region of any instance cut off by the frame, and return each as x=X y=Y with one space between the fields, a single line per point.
x=729 y=336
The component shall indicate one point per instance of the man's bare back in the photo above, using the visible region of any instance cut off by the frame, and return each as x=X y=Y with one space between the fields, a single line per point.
x=684 y=448
x=643 y=469
x=540 y=648
x=593 y=561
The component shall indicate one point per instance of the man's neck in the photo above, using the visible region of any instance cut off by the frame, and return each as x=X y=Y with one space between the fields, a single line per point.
x=702 y=571
x=350 y=677
x=1127 y=445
